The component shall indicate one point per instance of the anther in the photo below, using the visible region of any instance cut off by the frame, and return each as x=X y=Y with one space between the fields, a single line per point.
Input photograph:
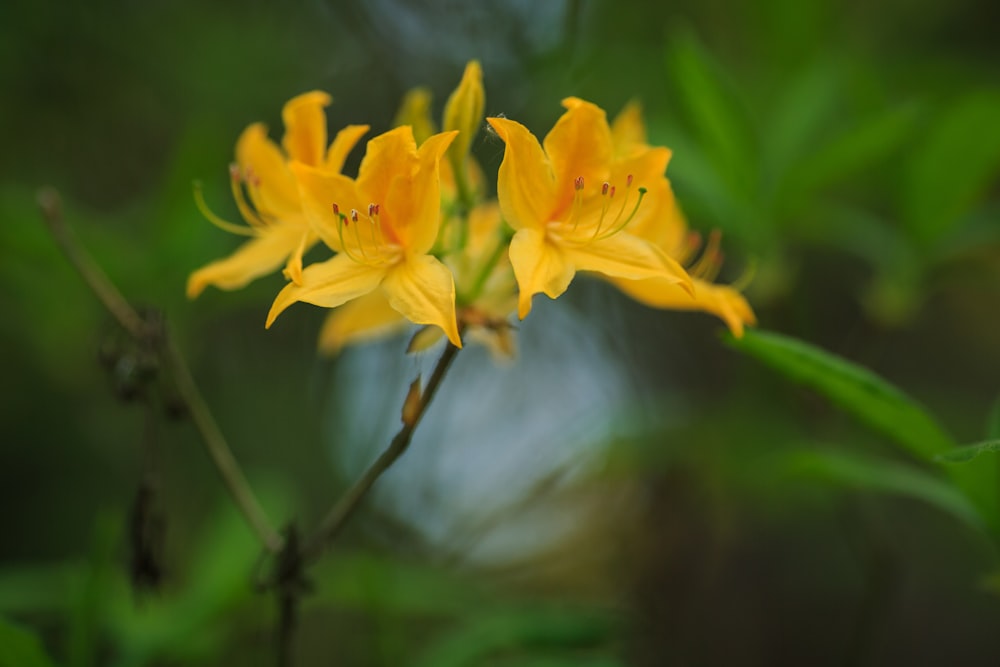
x=604 y=188
x=578 y=183
x=628 y=181
x=372 y=210
x=354 y=215
x=234 y=172
x=611 y=194
x=251 y=177
x=336 y=209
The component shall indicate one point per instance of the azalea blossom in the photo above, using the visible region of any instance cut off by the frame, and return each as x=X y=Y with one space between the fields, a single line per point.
x=267 y=195
x=471 y=242
x=382 y=227
x=667 y=229
x=574 y=201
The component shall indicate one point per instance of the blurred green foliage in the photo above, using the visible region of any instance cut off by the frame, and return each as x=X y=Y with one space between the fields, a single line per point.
x=849 y=152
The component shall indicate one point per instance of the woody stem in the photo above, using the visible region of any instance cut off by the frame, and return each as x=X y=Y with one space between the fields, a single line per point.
x=170 y=356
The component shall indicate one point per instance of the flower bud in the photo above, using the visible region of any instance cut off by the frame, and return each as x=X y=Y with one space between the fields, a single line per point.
x=464 y=112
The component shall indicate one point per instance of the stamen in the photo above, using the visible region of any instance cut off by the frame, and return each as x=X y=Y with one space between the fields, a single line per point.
x=708 y=265
x=616 y=226
x=686 y=249
x=253 y=217
x=199 y=201
x=741 y=283
x=251 y=177
x=577 y=202
x=604 y=188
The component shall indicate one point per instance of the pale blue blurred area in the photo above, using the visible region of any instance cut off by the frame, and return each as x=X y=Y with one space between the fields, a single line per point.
x=500 y=433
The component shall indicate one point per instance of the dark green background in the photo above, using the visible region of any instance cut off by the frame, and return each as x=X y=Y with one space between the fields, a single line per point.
x=848 y=151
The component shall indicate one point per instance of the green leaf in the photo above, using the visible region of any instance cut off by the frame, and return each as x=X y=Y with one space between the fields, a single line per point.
x=953 y=167
x=806 y=106
x=857 y=390
x=862 y=472
x=969 y=452
x=854 y=150
x=713 y=110
x=21 y=648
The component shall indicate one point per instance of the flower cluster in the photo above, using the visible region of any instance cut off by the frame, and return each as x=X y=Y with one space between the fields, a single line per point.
x=415 y=238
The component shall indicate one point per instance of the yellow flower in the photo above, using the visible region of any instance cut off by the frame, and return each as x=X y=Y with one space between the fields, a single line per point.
x=484 y=284
x=667 y=230
x=382 y=226
x=573 y=202
x=268 y=198
x=469 y=241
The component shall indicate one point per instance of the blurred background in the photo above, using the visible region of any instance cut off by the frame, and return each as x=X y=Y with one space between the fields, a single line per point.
x=631 y=490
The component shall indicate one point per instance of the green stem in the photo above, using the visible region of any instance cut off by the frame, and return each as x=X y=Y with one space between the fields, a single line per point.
x=146 y=333
x=337 y=517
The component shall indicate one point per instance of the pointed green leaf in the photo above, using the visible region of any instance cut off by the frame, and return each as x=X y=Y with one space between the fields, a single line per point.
x=860 y=147
x=969 y=452
x=857 y=390
x=713 y=110
x=954 y=166
x=862 y=472
x=805 y=107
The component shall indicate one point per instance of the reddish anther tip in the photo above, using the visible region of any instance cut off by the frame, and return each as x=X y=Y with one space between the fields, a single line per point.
x=611 y=193
x=354 y=215
x=336 y=209
x=605 y=188
x=578 y=182
x=371 y=210
x=628 y=181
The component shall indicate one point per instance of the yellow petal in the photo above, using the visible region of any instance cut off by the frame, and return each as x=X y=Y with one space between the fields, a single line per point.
x=422 y=289
x=275 y=193
x=328 y=284
x=293 y=268
x=579 y=145
x=426 y=338
x=526 y=186
x=720 y=300
x=253 y=259
x=626 y=256
x=305 y=127
x=628 y=131
x=659 y=219
x=388 y=156
x=365 y=318
x=342 y=145
x=539 y=266
x=414 y=202
x=320 y=190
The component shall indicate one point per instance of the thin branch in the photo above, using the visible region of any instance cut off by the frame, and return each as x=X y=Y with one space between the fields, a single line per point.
x=338 y=515
x=144 y=333
x=230 y=471
x=95 y=278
